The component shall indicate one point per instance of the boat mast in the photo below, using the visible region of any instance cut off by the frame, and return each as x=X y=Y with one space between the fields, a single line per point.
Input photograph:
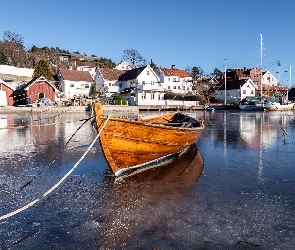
x=225 y=82
x=290 y=85
x=261 y=64
x=290 y=77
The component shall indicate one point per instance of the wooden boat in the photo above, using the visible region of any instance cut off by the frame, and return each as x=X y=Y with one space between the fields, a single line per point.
x=130 y=145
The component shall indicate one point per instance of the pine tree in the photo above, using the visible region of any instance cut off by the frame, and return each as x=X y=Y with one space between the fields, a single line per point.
x=43 y=69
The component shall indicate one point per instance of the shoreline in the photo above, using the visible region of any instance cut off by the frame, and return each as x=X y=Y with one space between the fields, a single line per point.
x=107 y=108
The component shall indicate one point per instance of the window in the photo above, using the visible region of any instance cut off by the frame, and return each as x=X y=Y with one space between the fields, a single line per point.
x=244 y=92
x=0 y=86
x=147 y=72
x=153 y=96
x=86 y=86
x=174 y=79
x=252 y=91
x=168 y=87
x=143 y=96
x=143 y=82
x=174 y=87
x=168 y=79
x=72 y=85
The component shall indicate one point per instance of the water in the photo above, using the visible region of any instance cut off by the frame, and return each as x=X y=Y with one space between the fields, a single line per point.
x=234 y=190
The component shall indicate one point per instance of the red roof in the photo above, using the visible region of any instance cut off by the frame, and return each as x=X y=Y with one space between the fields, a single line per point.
x=111 y=74
x=76 y=75
x=175 y=72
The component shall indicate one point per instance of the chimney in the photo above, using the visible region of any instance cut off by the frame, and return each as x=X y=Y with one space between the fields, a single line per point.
x=173 y=66
x=245 y=68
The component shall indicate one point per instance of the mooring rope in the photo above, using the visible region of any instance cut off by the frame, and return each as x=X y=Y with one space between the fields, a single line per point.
x=5 y=216
x=41 y=172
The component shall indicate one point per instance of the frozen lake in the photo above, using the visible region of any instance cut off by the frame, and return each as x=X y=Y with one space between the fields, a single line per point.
x=234 y=190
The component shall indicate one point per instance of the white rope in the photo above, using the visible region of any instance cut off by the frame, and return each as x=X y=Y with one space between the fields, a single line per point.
x=5 y=216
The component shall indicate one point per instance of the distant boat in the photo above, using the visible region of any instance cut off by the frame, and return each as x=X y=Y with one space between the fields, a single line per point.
x=210 y=108
x=217 y=106
x=130 y=145
x=275 y=103
x=251 y=103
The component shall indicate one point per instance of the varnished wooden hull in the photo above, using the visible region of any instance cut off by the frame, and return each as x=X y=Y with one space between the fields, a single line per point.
x=131 y=144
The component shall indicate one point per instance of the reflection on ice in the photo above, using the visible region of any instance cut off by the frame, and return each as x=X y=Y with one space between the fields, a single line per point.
x=244 y=199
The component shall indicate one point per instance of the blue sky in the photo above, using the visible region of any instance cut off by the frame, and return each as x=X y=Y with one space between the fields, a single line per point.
x=185 y=33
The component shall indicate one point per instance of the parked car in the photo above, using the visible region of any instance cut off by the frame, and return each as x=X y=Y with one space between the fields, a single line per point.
x=43 y=102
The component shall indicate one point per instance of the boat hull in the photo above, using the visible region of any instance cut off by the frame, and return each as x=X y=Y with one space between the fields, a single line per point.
x=216 y=107
x=129 y=144
x=278 y=106
x=254 y=107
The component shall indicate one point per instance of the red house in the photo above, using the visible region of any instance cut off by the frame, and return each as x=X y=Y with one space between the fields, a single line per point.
x=6 y=94
x=37 y=88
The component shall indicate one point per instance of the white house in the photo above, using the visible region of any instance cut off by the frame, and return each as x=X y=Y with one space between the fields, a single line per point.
x=124 y=66
x=175 y=80
x=268 y=79
x=74 y=83
x=140 y=86
x=236 y=90
x=106 y=81
x=91 y=70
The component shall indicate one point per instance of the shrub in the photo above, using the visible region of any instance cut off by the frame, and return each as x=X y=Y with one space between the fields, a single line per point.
x=120 y=100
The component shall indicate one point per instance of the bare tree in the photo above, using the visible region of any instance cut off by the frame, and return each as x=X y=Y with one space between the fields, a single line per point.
x=195 y=72
x=217 y=73
x=133 y=57
x=52 y=55
x=12 y=49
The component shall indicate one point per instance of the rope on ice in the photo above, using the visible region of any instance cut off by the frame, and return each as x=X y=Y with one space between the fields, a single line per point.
x=41 y=172
x=5 y=216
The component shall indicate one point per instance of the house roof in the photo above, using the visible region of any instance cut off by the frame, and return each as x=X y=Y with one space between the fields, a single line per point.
x=75 y=75
x=111 y=74
x=35 y=79
x=175 y=72
x=124 y=65
x=131 y=74
x=233 y=84
x=8 y=84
